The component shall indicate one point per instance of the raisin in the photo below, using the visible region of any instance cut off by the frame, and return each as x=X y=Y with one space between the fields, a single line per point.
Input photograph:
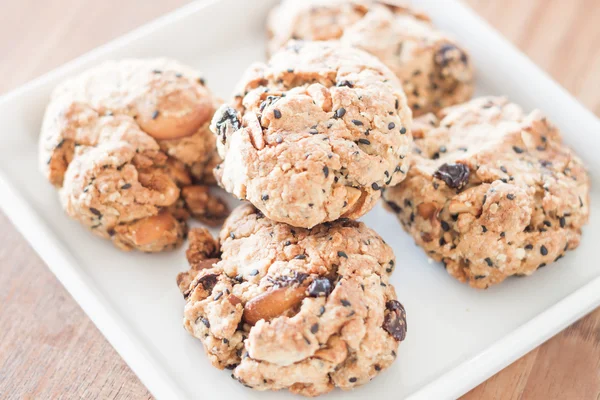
x=395 y=320
x=455 y=176
x=319 y=287
x=208 y=282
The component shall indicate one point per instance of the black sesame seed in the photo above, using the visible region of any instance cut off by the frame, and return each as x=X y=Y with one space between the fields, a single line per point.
x=254 y=272
x=543 y=250
x=352 y=380
x=277 y=113
x=96 y=212
x=375 y=186
x=126 y=186
x=314 y=328
x=345 y=303
x=529 y=247
x=364 y=141
x=489 y=262
x=395 y=207
x=155 y=114
x=321 y=310
x=340 y=113
x=232 y=235
x=205 y=322
x=548 y=223
x=345 y=83
x=445 y=226
x=510 y=196
x=300 y=257
x=518 y=150
x=391 y=126
x=377 y=367
x=503 y=169
x=563 y=222
x=342 y=254
x=264 y=197
x=502 y=234
x=483 y=228
x=357 y=122
x=326 y=171
x=403 y=130
x=218 y=296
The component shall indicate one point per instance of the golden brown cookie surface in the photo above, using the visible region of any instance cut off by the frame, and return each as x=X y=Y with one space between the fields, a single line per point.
x=291 y=308
x=435 y=71
x=492 y=192
x=314 y=135
x=120 y=140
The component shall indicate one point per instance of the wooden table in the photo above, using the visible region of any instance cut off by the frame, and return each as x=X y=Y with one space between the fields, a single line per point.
x=48 y=346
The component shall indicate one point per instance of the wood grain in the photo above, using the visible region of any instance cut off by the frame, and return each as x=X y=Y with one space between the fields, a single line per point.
x=50 y=349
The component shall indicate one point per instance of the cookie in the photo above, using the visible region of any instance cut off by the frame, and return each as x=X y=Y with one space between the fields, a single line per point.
x=128 y=144
x=492 y=192
x=314 y=135
x=292 y=308
x=435 y=71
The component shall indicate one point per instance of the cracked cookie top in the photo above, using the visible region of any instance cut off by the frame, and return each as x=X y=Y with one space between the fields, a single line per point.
x=492 y=192
x=314 y=135
x=129 y=148
x=292 y=308
x=435 y=71
x=144 y=102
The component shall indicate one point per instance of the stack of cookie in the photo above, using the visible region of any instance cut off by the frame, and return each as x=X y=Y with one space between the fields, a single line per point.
x=295 y=293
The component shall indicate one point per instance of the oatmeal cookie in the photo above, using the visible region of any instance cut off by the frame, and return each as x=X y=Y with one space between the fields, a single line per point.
x=492 y=192
x=314 y=135
x=292 y=308
x=141 y=129
x=435 y=71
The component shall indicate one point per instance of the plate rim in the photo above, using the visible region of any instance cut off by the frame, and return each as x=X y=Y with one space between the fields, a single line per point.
x=451 y=384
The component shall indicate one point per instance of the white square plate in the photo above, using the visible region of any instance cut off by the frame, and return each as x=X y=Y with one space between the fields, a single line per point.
x=457 y=336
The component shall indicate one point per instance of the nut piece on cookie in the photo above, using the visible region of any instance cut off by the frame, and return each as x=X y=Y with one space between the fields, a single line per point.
x=122 y=141
x=314 y=135
x=291 y=308
x=434 y=70
x=492 y=192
